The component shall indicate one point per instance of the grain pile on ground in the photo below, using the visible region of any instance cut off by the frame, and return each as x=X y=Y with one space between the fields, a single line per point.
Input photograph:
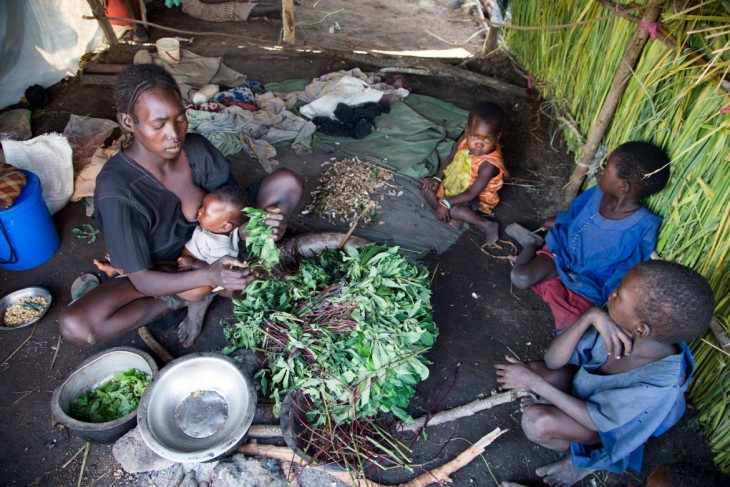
x=346 y=189
x=23 y=311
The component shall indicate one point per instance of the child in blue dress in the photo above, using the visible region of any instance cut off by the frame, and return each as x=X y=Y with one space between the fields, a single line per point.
x=605 y=232
x=614 y=379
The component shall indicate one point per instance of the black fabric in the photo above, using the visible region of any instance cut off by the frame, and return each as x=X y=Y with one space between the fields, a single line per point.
x=355 y=122
x=142 y=221
x=37 y=96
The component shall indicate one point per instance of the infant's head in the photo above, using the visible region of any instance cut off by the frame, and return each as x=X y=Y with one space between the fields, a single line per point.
x=483 y=127
x=662 y=301
x=221 y=211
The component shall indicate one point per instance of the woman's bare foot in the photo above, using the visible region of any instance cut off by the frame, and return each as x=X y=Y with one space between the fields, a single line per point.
x=491 y=231
x=523 y=236
x=562 y=473
x=190 y=328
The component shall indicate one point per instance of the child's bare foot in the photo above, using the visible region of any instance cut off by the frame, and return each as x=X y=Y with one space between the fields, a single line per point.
x=105 y=266
x=456 y=224
x=523 y=236
x=562 y=473
x=190 y=328
x=184 y=263
x=530 y=400
x=491 y=231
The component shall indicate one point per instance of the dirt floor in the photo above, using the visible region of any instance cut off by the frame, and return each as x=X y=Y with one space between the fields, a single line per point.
x=479 y=316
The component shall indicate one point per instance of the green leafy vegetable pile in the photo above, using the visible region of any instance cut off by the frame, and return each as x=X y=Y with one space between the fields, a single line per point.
x=258 y=239
x=112 y=399
x=348 y=329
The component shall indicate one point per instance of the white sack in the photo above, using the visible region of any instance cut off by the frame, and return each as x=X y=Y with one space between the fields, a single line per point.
x=48 y=156
x=348 y=90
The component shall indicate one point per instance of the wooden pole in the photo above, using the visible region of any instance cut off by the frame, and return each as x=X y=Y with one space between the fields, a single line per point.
x=668 y=39
x=100 y=13
x=287 y=16
x=605 y=116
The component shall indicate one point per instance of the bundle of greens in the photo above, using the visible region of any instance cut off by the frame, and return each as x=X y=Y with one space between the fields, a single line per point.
x=348 y=329
x=259 y=241
x=113 y=399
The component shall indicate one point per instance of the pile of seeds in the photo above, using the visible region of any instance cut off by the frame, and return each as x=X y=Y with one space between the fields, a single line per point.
x=345 y=189
x=23 y=311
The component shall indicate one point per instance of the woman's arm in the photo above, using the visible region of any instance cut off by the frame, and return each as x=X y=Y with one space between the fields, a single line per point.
x=227 y=272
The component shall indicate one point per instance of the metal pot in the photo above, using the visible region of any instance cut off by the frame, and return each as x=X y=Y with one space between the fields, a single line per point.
x=93 y=372
x=199 y=408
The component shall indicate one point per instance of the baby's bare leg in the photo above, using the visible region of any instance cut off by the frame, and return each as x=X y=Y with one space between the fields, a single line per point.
x=490 y=228
x=430 y=196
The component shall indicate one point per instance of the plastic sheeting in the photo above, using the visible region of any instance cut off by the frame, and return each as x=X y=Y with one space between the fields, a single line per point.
x=41 y=42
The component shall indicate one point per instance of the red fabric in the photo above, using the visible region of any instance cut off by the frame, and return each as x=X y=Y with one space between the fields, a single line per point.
x=121 y=8
x=565 y=305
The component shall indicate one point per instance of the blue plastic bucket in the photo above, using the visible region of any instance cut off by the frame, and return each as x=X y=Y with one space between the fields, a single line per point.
x=27 y=235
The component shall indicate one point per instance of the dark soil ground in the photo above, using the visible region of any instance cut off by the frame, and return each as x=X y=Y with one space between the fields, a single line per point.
x=479 y=316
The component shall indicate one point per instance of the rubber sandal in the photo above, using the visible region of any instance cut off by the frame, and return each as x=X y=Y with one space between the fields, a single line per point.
x=82 y=285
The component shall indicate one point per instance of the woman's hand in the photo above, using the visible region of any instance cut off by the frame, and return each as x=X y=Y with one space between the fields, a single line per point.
x=276 y=220
x=516 y=375
x=443 y=214
x=618 y=342
x=229 y=273
x=430 y=184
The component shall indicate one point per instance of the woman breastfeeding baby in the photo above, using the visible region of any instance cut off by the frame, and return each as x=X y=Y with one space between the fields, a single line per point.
x=146 y=202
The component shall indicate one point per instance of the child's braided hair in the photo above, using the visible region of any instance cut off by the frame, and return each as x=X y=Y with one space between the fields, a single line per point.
x=135 y=80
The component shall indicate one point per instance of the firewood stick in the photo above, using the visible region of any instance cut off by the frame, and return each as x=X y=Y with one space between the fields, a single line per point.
x=465 y=410
x=285 y=454
x=154 y=345
x=354 y=225
x=264 y=431
x=444 y=472
x=440 y=474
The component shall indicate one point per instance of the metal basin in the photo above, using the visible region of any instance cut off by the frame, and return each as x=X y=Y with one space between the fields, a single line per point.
x=93 y=372
x=197 y=409
x=14 y=297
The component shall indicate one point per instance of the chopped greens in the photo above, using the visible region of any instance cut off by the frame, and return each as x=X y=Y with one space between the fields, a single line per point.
x=113 y=399
x=348 y=329
x=259 y=242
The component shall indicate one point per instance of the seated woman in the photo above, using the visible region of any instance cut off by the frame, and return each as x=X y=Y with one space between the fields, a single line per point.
x=146 y=203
